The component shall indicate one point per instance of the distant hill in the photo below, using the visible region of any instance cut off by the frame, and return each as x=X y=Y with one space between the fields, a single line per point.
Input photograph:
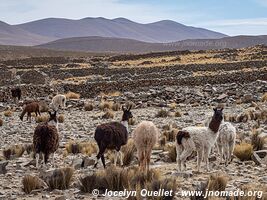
x=12 y=35
x=159 y=32
x=120 y=45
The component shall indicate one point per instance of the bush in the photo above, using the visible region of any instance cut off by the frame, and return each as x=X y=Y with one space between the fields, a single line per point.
x=31 y=183
x=13 y=151
x=1 y=122
x=171 y=148
x=88 y=107
x=162 y=141
x=42 y=118
x=162 y=113
x=264 y=97
x=87 y=148
x=128 y=152
x=243 y=151
x=105 y=105
x=217 y=182
x=108 y=115
x=116 y=106
x=256 y=141
x=72 y=95
x=178 y=114
x=60 y=179
x=60 y=118
x=8 y=113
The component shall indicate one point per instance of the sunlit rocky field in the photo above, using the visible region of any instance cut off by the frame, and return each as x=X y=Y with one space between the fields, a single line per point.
x=173 y=90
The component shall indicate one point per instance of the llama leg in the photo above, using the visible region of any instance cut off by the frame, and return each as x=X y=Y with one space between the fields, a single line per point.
x=116 y=157
x=37 y=155
x=121 y=161
x=206 y=157
x=227 y=154
x=231 y=150
x=178 y=153
x=102 y=149
x=53 y=159
x=186 y=153
x=220 y=148
x=199 y=159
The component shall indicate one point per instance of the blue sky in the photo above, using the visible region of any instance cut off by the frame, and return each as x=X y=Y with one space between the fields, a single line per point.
x=232 y=17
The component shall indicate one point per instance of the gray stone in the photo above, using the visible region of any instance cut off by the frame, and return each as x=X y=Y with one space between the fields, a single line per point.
x=256 y=158
x=261 y=153
x=3 y=165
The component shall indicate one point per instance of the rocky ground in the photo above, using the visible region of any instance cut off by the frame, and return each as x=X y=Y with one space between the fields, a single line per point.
x=238 y=84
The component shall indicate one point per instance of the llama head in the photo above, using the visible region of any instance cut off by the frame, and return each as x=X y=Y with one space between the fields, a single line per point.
x=218 y=114
x=52 y=117
x=127 y=114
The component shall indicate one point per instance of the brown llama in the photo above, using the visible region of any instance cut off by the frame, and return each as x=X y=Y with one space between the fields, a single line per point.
x=46 y=139
x=112 y=136
x=29 y=109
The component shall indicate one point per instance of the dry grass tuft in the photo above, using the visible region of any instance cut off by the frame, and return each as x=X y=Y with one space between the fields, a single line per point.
x=72 y=95
x=108 y=115
x=132 y=121
x=217 y=182
x=61 y=118
x=116 y=106
x=162 y=141
x=171 y=148
x=87 y=148
x=13 y=151
x=128 y=151
x=178 y=113
x=88 y=107
x=130 y=104
x=170 y=135
x=264 y=97
x=88 y=183
x=31 y=183
x=1 y=122
x=162 y=113
x=8 y=113
x=243 y=151
x=43 y=106
x=105 y=105
x=259 y=191
x=42 y=118
x=256 y=141
x=172 y=106
x=60 y=179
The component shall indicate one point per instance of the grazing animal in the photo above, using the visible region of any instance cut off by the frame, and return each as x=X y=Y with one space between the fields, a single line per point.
x=199 y=139
x=145 y=137
x=30 y=108
x=16 y=93
x=58 y=101
x=226 y=141
x=46 y=138
x=112 y=136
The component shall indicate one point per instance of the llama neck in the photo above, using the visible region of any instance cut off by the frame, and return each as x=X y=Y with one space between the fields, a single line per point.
x=214 y=125
x=125 y=123
x=53 y=123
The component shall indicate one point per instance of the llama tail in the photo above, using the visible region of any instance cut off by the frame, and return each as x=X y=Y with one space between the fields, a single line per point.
x=180 y=135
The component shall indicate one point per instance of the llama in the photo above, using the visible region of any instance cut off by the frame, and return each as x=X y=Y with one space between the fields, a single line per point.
x=226 y=141
x=30 y=108
x=200 y=139
x=16 y=93
x=58 y=101
x=145 y=137
x=112 y=136
x=46 y=139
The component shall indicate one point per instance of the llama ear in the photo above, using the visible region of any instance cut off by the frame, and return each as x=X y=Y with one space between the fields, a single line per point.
x=130 y=107
x=49 y=113
x=214 y=109
x=123 y=108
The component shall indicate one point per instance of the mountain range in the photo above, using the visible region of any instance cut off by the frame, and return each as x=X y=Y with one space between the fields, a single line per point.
x=121 y=45
x=50 y=29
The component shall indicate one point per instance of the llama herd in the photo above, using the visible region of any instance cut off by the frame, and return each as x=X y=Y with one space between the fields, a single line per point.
x=114 y=135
